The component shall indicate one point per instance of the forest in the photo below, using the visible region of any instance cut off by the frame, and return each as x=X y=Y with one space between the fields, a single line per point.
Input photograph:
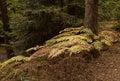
x=59 y=40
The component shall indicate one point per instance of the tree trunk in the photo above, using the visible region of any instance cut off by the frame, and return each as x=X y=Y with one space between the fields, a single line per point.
x=5 y=21
x=4 y=15
x=91 y=13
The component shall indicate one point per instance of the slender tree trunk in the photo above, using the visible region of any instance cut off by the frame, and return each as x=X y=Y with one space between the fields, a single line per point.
x=91 y=13
x=4 y=15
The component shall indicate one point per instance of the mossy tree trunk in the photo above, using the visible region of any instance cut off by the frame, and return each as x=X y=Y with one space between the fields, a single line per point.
x=91 y=13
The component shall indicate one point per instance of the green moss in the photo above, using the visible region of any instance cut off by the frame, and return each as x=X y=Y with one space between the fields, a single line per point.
x=86 y=37
x=78 y=49
x=98 y=45
x=14 y=59
x=72 y=29
x=109 y=36
x=69 y=34
x=76 y=40
x=106 y=42
x=87 y=31
x=74 y=45
x=62 y=35
x=118 y=44
x=69 y=38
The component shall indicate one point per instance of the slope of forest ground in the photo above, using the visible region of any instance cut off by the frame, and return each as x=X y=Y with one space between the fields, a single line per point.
x=107 y=66
x=76 y=66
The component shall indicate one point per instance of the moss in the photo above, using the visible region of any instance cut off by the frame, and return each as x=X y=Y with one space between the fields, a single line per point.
x=106 y=42
x=71 y=44
x=15 y=59
x=33 y=48
x=78 y=49
x=69 y=38
x=75 y=47
x=109 y=36
x=62 y=35
x=55 y=53
x=98 y=45
x=87 y=31
x=69 y=34
x=72 y=29
x=118 y=44
x=76 y=40
x=86 y=37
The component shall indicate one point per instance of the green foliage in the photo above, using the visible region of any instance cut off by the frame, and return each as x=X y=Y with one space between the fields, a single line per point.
x=38 y=23
x=15 y=6
x=14 y=59
x=76 y=10
x=1 y=29
x=117 y=27
x=98 y=45
x=109 y=9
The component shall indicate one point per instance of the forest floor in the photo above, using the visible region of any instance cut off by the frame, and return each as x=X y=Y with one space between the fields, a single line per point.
x=107 y=66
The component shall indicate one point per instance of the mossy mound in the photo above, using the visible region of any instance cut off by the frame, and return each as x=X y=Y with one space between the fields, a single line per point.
x=76 y=40
x=80 y=43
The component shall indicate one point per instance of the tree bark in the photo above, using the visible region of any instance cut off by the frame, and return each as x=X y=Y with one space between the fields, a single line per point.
x=5 y=21
x=91 y=13
x=4 y=15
